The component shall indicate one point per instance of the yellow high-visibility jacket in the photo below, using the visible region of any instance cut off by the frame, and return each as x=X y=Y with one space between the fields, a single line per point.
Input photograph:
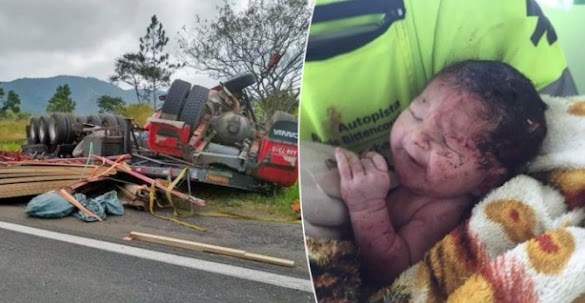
x=367 y=59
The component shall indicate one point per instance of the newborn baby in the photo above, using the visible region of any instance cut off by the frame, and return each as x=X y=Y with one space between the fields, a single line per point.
x=473 y=127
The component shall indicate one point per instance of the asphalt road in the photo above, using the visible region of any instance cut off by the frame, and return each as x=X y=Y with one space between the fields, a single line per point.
x=35 y=267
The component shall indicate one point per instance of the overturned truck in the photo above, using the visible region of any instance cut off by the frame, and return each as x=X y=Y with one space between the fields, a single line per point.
x=212 y=132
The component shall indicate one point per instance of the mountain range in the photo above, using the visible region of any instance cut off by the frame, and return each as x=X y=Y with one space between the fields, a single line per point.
x=35 y=92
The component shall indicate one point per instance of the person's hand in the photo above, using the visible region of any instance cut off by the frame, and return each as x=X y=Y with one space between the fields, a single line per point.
x=365 y=181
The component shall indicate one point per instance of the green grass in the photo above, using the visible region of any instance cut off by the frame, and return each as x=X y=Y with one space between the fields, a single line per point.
x=274 y=206
x=11 y=146
x=12 y=130
x=12 y=134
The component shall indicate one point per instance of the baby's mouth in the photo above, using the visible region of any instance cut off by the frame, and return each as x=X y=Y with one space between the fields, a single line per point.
x=413 y=159
x=416 y=162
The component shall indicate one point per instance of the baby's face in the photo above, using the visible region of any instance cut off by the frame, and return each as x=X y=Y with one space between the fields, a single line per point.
x=433 y=147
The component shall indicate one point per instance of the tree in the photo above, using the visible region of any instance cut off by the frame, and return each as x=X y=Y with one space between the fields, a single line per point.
x=12 y=102
x=157 y=67
x=108 y=104
x=129 y=70
x=284 y=100
x=150 y=68
x=266 y=39
x=61 y=101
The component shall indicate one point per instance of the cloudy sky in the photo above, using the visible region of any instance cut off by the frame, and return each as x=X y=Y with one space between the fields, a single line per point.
x=40 y=38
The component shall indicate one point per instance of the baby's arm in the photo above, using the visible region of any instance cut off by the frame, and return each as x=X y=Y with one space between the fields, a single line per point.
x=387 y=252
x=364 y=186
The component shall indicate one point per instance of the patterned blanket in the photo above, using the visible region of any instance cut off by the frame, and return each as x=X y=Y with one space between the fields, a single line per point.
x=524 y=242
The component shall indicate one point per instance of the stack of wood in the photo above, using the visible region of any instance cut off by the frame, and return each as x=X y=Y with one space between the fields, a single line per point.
x=29 y=178
x=33 y=177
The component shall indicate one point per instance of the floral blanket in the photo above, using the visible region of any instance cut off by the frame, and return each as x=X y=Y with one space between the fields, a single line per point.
x=524 y=242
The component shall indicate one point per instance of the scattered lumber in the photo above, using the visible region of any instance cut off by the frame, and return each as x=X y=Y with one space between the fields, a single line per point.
x=197 y=246
x=27 y=178
x=32 y=188
x=125 y=169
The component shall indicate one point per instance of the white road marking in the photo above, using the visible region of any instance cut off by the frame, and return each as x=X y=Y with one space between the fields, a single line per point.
x=213 y=267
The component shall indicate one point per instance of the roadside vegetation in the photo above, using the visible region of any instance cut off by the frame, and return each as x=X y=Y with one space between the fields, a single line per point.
x=276 y=206
x=12 y=133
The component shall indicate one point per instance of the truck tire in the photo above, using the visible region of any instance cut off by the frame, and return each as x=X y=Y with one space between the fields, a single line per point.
x=33 y=130
x=237 y=84
x=71 y=130
x=126 y=130
x=58 y=129
x=81 y=119
x=78 y=126
x=175 y=100
x=109 y=121
x=44 y=130
x=194 y=106
x=94 y=120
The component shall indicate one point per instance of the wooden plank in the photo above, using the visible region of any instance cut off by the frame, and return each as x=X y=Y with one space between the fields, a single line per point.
x=57 y=170
x=50 y=173
x=43 y=163
x=38 y=178
x=56 y=161
x=28 y=178
x=186 y=244
x=269 y=259
x=9 y=172
x=52 y=166
x=30 y=189
x=21 y=175
x=197 y=246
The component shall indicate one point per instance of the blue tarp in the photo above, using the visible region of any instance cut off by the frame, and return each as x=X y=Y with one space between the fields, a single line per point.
x=52 y=205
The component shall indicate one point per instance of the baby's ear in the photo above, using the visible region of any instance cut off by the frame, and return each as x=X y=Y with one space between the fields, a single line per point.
x=494 y=177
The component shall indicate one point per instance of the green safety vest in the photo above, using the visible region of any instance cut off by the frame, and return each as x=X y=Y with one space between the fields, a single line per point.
x=354 y=89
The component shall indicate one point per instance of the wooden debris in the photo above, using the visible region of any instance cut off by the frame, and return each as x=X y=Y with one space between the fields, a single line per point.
x=27 y=178
x=126 y=169
x=37 y=178
x=134 y=195
x=32 y=188
x=209 y=248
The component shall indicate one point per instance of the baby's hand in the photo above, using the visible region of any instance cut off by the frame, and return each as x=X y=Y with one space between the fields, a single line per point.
x=365 y=181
